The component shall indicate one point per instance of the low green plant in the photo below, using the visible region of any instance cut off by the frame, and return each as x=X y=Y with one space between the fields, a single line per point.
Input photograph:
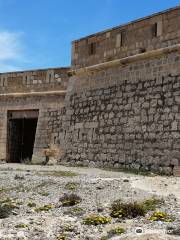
x=68 y=228
x=6 y=207
x=104 y=238
x=71 y=186
x=69 y=200
x=59 y=173
x=44 y=208
x=116 y=231
x=21 y=225
x=96 y=220
x=61 y=237
x=152 y=204
x=31 y=204
x=161 y=216
x=44 y=194
x=75 y=211
x=5 y=211
x=127 y=210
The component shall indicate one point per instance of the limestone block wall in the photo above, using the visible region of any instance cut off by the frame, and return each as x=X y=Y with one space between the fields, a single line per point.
x=35 y=80
x=126 y=116
x=48 y=126
x=153 y=32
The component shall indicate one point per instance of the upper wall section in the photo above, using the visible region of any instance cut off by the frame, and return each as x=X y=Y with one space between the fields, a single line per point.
x=34 y=81
x=153 y=32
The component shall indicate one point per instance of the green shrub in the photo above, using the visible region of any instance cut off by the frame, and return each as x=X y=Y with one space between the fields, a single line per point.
x=161 y=216
x=44 y=208
x=151 y=204
x=75 y=211
x=71 y=186
x=6 y=207
x=116 y=231
x=96 y=220
x=21 y=225
x=69 y=200
x=61 y=237
x=5 y=211
x=31 y=204
x=126 y=210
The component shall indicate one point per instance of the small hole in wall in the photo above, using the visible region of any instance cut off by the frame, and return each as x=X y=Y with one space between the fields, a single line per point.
x=142 y=50
x=154 y=29
x=92 y=48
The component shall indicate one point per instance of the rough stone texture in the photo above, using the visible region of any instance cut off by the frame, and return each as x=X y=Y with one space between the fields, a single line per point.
x=113 y=115
x=49 y=122
x=130 y=39
x=127 y=116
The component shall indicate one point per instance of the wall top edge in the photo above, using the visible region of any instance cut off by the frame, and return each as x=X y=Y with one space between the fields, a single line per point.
x=128 y=23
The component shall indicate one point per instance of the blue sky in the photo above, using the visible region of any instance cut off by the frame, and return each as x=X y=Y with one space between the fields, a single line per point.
x=38 y=33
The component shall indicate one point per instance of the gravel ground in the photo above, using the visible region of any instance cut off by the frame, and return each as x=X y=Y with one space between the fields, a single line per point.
x=30 y=187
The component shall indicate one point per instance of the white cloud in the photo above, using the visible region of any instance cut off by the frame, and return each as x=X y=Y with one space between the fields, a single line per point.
x=10 y=51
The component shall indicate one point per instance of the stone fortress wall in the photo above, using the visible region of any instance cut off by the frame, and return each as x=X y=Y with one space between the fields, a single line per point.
x=43 y=90
x=119 y=104
x=124 y=106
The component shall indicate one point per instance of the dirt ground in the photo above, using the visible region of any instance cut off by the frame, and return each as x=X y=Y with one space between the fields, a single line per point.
x=34 y=193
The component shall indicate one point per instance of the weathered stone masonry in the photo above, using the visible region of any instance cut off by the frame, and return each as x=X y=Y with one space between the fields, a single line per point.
x=130 y=123
x=119 y=108
x=43 y=90
x=125 y=112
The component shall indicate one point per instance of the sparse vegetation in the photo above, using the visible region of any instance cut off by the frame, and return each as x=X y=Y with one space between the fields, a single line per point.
x=59 y=173
x=126 y=210
x=75 y=211
x=61 y=237
x=21 y=225
x=152 y=203
x=161 y=216
x=96 y=220
x=68 y=228
x=44 y=208
x=141 y=171
x=71 y=186
x=69 y=200
x=31 y=204
x=116 y=231
x=134 y=209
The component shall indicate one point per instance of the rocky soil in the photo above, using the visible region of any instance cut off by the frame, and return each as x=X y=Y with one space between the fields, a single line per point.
x=34 y=193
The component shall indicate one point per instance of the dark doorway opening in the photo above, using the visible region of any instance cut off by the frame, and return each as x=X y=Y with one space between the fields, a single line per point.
x=21 y=136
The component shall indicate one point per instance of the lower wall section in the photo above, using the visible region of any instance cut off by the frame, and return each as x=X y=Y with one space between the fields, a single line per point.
x=49 y=126
x=133 y=124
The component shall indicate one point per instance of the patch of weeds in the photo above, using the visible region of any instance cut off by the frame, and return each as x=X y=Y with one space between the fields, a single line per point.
x=152 y=203
x=59 y=173
x=44 y=194
x=96 y=220
x=75 y=211
x=6 y=208
x=68 y=228
x=19 y=202
x=127 y=210
x=45 y=183
x=115 y=231
x=142 y=172
x=104 y=238
x=161 y=216
x=71 y=186
x=8 y=202
x=5 y=212
x=61 y=237
x=3 y=189
x=31 y=204
x=44 y=208
x=21 y=225
x=69 y=200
